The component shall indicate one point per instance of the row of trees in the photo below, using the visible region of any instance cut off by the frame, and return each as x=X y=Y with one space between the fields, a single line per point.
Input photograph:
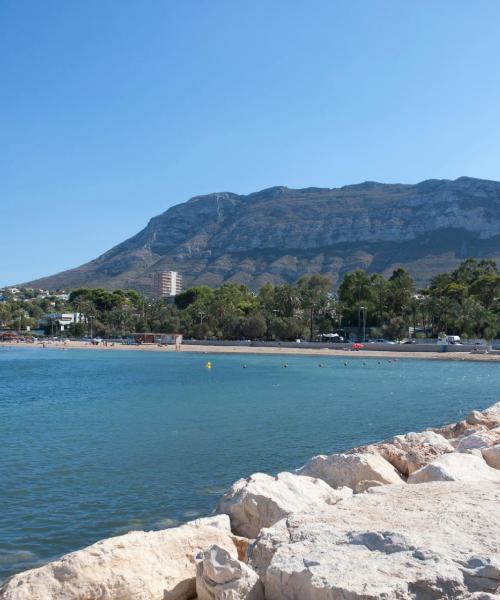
x=464 y=302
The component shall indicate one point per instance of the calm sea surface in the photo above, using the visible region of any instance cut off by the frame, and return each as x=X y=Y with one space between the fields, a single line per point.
x=96 y=443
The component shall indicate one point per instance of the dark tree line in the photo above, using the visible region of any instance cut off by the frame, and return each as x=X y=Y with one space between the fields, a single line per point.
x=464 y=302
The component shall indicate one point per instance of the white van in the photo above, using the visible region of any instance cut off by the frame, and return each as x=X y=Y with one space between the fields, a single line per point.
x=450 y=339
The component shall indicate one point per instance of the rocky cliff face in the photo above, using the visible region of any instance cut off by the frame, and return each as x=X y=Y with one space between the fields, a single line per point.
x=279 y=234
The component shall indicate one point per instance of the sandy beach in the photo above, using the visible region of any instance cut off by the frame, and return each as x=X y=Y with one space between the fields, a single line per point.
x=204 y=349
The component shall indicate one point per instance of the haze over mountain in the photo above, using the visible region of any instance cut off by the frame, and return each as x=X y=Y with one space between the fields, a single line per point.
x=279 y=234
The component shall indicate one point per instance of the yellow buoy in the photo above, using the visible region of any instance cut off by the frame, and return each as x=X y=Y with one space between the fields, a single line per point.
x=208 y=365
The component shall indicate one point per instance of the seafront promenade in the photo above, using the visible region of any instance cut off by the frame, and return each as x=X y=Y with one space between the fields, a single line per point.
x=398 y=352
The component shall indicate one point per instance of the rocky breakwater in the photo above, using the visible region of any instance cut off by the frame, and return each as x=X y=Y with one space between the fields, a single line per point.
x=413 y=517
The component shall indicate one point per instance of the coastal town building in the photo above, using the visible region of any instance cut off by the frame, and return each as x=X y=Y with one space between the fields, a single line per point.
x=167 y=284
x=174 y=339
x=63 y=319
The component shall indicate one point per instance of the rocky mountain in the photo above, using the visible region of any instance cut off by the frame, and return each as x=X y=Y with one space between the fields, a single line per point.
x=279 y=234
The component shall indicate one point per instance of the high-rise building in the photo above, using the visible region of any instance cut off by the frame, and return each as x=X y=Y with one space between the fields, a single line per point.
x=167 y=284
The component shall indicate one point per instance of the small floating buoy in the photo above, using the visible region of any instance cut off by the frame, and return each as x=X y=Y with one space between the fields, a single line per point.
x=208 y=365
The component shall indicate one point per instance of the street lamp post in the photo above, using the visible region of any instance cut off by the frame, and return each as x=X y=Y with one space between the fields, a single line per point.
x=362 y=311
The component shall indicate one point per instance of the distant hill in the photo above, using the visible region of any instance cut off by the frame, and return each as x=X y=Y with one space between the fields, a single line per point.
x=279 y=234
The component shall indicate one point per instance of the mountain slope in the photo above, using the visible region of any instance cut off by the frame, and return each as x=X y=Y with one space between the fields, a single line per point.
x=280 y=234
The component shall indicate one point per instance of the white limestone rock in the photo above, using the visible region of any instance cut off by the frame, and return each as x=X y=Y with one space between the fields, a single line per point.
x=455 y=467
x=221 y=577
x=454 y=430
x=490 y=417
x=476 y=420
x=424 y=542
x=153 y=565
x=492 y=456
x=351 y=470
x=479 y=440
x=409 y=452
x=261 y=500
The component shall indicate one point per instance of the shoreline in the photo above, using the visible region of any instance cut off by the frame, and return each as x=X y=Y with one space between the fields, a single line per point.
x=418 y=511
x=208 y=349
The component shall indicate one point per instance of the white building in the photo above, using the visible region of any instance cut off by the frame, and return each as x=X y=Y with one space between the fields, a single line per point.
x=167 y=284
x=64 y=319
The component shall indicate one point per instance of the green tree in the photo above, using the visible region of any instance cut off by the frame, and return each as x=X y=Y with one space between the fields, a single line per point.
x=356 y=290
x=400 y=291
x=486 y=288
x=254 y=326
x=315 y=294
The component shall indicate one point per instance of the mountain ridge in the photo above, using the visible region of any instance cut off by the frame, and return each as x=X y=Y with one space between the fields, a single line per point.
x=279 y=234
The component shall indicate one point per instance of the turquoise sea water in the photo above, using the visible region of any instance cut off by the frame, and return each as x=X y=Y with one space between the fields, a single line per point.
x=96 y=443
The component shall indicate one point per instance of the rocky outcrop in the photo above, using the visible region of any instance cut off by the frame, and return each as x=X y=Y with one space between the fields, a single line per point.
x=154 y=565
x=261 y=500
x=221 y=577
x=426 y=541
x=314 y=538
x=411 y=451
x=357 y=471
x=455 y=431
x=455 y=467
x=488 y=418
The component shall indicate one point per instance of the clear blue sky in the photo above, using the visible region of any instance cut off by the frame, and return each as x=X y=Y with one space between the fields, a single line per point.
x=113 y=110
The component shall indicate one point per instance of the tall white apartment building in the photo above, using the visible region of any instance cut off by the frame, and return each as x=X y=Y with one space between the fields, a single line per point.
x=167 y=284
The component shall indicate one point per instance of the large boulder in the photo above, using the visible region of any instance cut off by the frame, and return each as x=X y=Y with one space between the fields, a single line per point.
x=409 y=452
x=219 y=576
x=479 y=439
x=489 y=418
x=261 y=500
x=453 y=430
x=422 y=542
x=153 y=565
x=351 y=470
x=492 y=456
x=455 y=467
